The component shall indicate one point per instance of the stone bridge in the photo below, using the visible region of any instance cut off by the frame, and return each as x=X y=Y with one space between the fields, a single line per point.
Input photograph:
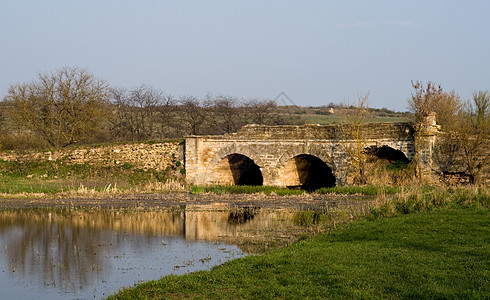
x=307 y=155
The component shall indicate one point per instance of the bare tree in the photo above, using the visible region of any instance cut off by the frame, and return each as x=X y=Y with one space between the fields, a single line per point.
x=141 y=113
x=354 y=119
x=226 y=114
x=262 y=112
x=3 y=116
x=193 y=114
x=446 y=106
x=63 y=107
x=167 y=110
x=144 y=101
x=3 y=123
x=471 y=131
x=121 y=123
x=421 y=105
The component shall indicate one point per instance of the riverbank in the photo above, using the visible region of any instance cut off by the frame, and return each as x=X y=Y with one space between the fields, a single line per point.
x=440 y=254
x=435 y=246
x=386 y=199
x=160 y=200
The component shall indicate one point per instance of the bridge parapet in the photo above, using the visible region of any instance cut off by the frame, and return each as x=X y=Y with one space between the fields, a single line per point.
x=323 y=132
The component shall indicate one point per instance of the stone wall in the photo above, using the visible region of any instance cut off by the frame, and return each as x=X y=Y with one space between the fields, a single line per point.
x=157 y=156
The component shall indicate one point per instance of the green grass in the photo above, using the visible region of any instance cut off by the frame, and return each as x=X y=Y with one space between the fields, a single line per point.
x=24 y=185
x=244 y=189
x=339 y=190
x=52 y=177
x=322 y=119
x=331 y=119
x=368 y=190
x=441 y=254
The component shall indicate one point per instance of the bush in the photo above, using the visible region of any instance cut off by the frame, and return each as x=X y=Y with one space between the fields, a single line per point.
x=23 y=141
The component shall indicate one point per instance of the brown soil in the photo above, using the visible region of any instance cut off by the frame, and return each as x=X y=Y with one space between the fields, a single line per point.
x=155 y=201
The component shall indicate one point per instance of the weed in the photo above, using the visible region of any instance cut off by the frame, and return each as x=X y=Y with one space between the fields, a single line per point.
x=309 y=217
x=127 y=166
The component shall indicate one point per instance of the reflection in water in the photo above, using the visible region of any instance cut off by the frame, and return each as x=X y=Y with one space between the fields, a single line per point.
x=63 y=245
x=93 y=253
x=252 y=228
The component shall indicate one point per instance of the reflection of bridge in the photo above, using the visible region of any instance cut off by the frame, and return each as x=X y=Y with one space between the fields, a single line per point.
x=313 y=155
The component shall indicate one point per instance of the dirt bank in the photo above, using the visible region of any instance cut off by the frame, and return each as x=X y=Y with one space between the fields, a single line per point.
x=155 y=201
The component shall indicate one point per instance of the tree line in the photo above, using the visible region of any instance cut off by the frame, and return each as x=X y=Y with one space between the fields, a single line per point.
x=72 y=106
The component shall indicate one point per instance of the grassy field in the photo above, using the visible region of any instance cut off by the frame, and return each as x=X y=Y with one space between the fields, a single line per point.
x=331 y=119
x=434 y=251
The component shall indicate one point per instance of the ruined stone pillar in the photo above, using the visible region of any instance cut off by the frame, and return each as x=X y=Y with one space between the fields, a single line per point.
x=427 y=142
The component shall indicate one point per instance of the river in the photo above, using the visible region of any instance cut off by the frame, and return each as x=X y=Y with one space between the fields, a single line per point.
x=89 y=253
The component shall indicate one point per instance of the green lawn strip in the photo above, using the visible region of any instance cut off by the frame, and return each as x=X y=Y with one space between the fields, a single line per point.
x=23 y=185
x=443 y=253
x=244 y=189
x=332 y=119
x=369 y=190
x=12 y=186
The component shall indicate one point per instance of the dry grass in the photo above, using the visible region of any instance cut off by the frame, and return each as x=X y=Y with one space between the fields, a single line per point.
x=83 y=191
x=163 y=187
x=425 y=198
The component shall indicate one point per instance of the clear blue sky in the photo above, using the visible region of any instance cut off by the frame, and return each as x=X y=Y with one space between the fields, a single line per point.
x=315 y=51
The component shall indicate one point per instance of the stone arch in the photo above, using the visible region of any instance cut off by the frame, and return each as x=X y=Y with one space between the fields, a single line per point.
x=387 y=152
x=307 y=172
x=235 y=165
x=236 y=149
x=404 y=146
x=385 y=164
x=238 y=169
x=306 y=166
x=314 y=150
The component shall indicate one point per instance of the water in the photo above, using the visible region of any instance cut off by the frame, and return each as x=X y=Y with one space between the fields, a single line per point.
x=90 y=254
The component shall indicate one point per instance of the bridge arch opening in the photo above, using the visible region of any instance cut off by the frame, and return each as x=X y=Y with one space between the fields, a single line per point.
x=307 y=172
x=386 y=165
x=388 y=154
x=238 y=169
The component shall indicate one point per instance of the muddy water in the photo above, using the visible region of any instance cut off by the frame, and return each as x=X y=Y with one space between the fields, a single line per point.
x=87 y=253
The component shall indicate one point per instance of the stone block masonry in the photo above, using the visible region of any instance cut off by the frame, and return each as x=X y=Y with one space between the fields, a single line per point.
x=156 y=156
x=308 y=155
